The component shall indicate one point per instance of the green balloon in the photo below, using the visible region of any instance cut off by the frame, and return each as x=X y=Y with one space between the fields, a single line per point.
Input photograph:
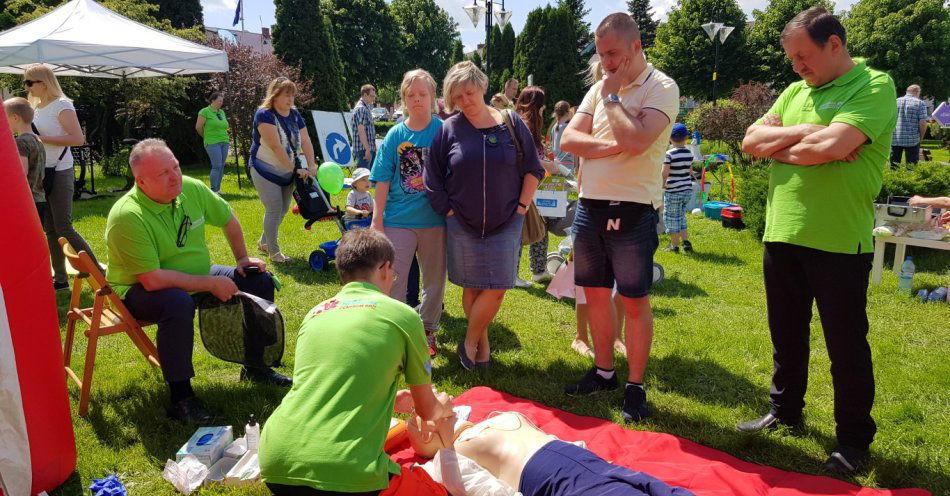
x=330 y=176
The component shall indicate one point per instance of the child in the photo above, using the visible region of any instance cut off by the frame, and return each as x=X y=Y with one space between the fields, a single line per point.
x=359 y=203
x=32 y=155
x=679 y=188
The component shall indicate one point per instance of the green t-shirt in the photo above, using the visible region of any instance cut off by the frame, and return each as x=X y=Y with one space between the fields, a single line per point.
x=142 y=235
x=216 y=125
x=328 y=432
x=830 y=207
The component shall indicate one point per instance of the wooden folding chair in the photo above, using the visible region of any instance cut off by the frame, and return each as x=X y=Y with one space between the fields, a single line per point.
x=108 y=315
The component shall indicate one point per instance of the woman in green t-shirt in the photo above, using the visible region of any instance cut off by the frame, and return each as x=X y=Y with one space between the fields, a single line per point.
x=212 y=125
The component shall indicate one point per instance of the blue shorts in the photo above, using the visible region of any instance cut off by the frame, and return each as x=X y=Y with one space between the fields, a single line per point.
x=674 y=210
x=562 y=469
x=615 y=241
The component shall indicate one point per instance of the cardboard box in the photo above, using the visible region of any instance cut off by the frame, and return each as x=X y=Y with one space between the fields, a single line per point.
x=551 y=197
x=207 y=444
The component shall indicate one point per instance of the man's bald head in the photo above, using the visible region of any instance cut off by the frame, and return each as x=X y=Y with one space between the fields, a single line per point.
x=621 y=24
x=156 y=170
x=144 y=151
x=913 y=90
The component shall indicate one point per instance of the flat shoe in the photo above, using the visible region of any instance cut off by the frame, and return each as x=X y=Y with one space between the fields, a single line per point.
x=467 y=364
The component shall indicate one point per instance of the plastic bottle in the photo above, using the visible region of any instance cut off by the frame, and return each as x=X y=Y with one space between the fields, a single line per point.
x=906 y=282
x=252 y=433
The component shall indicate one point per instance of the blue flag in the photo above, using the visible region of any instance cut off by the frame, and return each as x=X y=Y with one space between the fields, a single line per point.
x=237 y=13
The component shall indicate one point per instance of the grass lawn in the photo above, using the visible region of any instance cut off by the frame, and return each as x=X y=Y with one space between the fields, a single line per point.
x=710 y=366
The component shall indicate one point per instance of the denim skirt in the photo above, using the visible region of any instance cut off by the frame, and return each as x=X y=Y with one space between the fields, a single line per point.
x=483 y=263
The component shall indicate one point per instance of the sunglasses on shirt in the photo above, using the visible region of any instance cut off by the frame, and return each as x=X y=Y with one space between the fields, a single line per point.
x=183 y=231
x=218 y=113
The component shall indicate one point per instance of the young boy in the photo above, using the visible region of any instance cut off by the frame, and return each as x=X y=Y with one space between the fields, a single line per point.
x=678 y=179
x=328 y=432
x=359 y=202
x=32 y=155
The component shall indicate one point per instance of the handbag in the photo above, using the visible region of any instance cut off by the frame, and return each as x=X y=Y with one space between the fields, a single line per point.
x=533 y=229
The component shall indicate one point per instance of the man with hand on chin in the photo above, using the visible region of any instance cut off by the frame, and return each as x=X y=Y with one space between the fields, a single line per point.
x=829 y=136
x=620 y=132
x=158 y=257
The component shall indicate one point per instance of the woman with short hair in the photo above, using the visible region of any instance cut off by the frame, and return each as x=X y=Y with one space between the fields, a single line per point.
x=212 y=126
x=476 y=178
x=57 y=126
x=280 y=147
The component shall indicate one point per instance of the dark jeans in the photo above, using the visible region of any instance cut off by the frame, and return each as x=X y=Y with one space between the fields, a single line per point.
x=794 y=277
x=283 y=490
x=173 y=310
x=58 y=222
x=911 y=154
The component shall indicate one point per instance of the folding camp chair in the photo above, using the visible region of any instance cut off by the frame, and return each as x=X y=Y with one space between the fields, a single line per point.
x=108 y=315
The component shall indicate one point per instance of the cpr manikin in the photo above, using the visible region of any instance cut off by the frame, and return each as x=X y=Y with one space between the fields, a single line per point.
x=536 y=463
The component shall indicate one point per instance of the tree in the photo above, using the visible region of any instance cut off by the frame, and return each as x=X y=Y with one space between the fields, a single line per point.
x=909 y=39
x=429 y=34
x=507 y=57
x=303 y=38
x=181 y=13
x=641 y=12
x=245 y=86
x=684 y=52
x=541 y=50
x=458 y=53
x=769 y=63
x=578 y=12
x=502 y=55
x=477 y=59
x=366 y=28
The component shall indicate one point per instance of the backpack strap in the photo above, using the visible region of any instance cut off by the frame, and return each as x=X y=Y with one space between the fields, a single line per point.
x=509 y=123
x=37 y=132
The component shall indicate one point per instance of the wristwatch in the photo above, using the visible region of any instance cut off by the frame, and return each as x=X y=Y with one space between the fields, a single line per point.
x=612 y=98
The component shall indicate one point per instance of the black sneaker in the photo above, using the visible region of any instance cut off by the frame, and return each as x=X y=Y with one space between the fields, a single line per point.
x=60 y=286
x=687 y=246
x=674 y=249
x=634 y=404
x=265 y=375
x=847 y=460
x=770 y=422
x=591 y=383
x=190 y=411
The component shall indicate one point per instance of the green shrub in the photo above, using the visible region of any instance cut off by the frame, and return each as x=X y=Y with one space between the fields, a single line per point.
x=383 y=127
x=752 y=191
x=117 y=164
x=925 y=179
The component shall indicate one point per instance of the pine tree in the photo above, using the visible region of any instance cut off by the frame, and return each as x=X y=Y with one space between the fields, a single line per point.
x=458 y=53
x=578 y=12
x=542 y=51
x=641 y=12
x=429 y=34
x=181 y=13
x=769 y=63
x=365 y=26
x=303 y=38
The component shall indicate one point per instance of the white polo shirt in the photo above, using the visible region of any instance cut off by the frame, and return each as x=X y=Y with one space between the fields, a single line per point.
x=626 y=177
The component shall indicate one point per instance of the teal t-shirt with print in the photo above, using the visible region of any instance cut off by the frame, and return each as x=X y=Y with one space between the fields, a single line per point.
x=400 y=161
x=830 y=206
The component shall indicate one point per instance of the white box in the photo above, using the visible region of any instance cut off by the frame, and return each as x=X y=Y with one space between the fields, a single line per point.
x=551 y=197
x=207 y=444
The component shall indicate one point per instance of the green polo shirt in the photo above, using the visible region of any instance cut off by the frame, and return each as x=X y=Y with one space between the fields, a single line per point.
x=830 y=206
x=142 y=235
x=216 y=126
x=328 y=432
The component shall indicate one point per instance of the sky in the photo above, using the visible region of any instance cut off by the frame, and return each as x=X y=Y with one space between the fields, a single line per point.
x=257 y=13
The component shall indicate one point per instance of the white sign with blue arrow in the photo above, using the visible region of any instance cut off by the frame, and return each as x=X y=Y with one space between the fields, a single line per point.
x=333 y=137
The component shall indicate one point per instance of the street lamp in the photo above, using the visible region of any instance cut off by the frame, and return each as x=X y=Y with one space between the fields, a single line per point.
x=486 y=8
x=716 y=30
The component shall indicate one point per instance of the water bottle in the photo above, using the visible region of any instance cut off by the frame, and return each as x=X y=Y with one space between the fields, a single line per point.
x=906 y=282
x=252 y=433
x=938 y=295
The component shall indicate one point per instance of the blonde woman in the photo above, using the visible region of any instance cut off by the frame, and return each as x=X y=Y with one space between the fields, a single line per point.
x=58 y=128
x=403 y=211
x=280 y=148
x=474 y=177
x=500 y=101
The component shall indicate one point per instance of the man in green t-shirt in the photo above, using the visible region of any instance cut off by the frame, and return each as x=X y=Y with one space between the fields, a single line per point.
x=328 y=432
x=829 y=137
x=158 y=257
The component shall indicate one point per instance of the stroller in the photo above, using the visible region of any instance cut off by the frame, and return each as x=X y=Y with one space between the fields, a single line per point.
x=313 y=204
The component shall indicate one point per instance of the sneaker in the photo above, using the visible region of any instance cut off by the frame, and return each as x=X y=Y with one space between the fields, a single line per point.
x=634 y=404
x=847 y=460
x=189 y=411
x=541 y=277
x=265 y=375
x=674 y=249
x=687 y=246
x=591 y=383
x=433 y=344
x=770 y=422
x=521 y=283
x=60 y=286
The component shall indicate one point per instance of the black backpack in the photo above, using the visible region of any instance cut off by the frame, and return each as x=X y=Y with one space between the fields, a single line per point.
x=312 y=201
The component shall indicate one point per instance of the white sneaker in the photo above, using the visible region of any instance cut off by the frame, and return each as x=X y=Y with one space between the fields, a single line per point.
x=542 y=277
x=521 y=283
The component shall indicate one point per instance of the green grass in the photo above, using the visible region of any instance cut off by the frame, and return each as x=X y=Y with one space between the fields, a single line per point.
x=710 y=364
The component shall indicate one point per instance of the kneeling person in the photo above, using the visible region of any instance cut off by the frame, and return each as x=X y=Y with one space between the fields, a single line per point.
x=158 y=257
x=328 y=433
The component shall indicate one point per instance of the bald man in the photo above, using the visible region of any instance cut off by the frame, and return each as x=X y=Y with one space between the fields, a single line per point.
x=158 y=258
x=911 y=125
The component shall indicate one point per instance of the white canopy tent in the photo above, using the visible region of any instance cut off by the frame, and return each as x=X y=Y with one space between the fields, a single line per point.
x=83 y=38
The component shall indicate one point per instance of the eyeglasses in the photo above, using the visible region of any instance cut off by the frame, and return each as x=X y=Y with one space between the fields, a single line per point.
x=395 y=274
x=183 y=231
x=29 y=83
x=219 y=116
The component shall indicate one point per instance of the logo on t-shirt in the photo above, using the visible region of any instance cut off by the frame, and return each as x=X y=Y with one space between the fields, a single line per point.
x=411 y=158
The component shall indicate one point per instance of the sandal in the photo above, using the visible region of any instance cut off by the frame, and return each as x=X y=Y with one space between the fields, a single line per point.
x=262 y=246
x=280 y=258
x=582 y=348
x=619 y=347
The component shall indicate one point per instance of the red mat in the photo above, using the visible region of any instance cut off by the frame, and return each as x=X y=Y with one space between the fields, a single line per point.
x=678 y=462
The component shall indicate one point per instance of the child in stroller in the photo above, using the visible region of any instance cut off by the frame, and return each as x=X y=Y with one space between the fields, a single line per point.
x=313 y=204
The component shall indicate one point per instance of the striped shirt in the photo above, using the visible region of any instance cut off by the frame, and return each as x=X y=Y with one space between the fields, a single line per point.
x=681 y=162
x=910 y=111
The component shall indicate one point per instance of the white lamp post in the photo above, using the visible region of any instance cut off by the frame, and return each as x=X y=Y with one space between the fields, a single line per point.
x=477 y=9
x=716 y=30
